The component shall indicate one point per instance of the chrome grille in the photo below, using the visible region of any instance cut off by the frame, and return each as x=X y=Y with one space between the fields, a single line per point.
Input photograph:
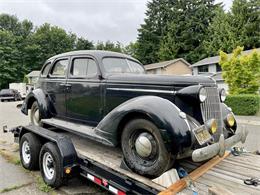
x=211 y=109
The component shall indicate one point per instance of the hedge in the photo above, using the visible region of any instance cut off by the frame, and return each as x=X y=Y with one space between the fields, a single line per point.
x=244 y=104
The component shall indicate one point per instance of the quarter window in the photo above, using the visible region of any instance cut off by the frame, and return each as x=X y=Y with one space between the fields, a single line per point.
x=46 y=69
x=83 y=67
x=60 y=68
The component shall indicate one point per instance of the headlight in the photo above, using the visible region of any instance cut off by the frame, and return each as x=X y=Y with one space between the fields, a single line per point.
x=202 y=94
x=212 y=126
x=222 y=95
x=230 y=120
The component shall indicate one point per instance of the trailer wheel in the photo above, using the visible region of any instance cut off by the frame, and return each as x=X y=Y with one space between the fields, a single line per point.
x=51 y=165
x=144 y=150
x=29 y=150
x=35 y=114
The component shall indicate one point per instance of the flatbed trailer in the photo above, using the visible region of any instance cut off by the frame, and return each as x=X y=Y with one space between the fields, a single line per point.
x=104 y=166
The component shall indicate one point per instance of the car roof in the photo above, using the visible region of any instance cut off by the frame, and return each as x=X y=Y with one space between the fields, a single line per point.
x=96 y=53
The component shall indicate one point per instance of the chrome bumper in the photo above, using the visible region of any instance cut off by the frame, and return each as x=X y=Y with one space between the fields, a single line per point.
x=219 y=148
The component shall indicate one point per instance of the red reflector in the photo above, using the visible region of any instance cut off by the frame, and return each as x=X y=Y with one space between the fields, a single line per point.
x=97 y=180
x=104 y=182
x=120 y=193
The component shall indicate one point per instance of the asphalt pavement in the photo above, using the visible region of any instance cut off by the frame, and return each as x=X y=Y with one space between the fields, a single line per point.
x=16 y=180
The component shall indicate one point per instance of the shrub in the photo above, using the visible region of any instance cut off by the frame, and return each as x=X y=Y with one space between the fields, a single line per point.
x=244 y=104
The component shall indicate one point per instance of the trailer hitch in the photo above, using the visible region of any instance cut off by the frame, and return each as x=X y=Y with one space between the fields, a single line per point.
x=5 y=129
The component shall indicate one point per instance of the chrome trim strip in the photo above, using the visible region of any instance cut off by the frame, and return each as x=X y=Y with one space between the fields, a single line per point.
x=143 y=90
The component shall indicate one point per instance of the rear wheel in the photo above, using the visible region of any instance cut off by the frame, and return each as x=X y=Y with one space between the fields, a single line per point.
x=51 y=165
x=29 y=148
x=35 y=114
x=144 y=150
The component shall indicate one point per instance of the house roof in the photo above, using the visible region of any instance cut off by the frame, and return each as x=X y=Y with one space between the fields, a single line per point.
x=34 y=73
x=215 y=59
x=164 y=64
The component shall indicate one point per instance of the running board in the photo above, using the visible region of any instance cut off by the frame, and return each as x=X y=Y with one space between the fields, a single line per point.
x=76 y=128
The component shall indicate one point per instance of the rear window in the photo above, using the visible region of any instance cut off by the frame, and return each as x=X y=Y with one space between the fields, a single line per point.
x=122 y=65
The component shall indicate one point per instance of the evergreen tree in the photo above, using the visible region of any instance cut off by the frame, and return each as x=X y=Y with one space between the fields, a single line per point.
x=187 y=30
x=220 y=35
x=158 y=14
x=246 y=22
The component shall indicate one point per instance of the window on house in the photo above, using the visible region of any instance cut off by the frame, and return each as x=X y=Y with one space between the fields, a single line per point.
x=218 y=67
x=203 y=69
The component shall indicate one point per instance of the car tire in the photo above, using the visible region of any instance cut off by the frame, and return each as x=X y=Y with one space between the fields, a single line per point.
x=151 y=158
x=29 y=149
x=51 y=165
x=35 y=115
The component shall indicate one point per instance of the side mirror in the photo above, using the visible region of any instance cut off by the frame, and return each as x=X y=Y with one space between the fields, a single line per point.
x=100 y=77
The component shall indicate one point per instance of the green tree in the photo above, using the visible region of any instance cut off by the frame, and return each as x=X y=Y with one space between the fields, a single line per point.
x=83 y=44
x=241 y=72
x=187 y=30
x=245 y=15
x=109 y=46
x=49 y=41
x=131 y=49
x=158 y=14
x=8 y=58
x=220 y=35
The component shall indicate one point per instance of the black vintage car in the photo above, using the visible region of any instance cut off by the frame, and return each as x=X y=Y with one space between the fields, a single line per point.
x=155 y=118
x=10 y=94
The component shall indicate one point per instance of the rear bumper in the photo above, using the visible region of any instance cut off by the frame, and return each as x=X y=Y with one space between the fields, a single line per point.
x=219 y=148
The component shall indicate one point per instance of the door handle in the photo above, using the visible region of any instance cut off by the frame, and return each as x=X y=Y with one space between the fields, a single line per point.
x=67 y=85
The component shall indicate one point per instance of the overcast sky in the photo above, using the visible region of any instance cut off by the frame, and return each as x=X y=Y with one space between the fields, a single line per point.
x=96 y=20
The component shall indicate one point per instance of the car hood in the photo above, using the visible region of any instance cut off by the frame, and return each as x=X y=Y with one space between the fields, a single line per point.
x=159 y=79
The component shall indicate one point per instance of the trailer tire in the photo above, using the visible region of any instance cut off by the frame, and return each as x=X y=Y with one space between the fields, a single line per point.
x=51 y=165
x=152 y=160
x=29 y=150
x=35 y=115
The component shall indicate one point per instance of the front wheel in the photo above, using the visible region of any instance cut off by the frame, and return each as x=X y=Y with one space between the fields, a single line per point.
x=35 y=114
x=144 y=150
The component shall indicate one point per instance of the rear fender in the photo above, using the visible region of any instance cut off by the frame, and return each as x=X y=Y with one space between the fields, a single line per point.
x=174 y=129
x=43 y=102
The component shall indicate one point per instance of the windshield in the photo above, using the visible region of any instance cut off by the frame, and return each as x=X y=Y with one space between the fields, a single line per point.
x=122 y=65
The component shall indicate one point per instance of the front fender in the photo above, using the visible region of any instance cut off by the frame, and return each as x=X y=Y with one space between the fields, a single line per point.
x=174 y=130
x=43 y=103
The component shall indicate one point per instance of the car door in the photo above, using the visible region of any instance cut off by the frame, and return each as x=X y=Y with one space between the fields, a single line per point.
x=84 y=100
x=54 y=85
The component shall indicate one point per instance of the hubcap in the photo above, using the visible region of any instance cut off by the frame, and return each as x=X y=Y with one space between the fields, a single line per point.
x=36 y=117
x=143 y=145
x=26 y=152
x=48 y=167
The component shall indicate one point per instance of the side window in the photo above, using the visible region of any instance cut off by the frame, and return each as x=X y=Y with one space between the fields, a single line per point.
x=60 y=68
x=46 y=69
x=79 y=67
x=83 y=67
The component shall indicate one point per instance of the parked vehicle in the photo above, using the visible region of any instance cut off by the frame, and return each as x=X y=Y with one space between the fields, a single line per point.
x=9 y=94
x=20 y=87
x=154 y=118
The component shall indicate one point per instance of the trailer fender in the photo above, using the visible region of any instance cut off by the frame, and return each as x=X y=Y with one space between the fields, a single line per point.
x=173 y=125
x=64 y=143
x=43 y=102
